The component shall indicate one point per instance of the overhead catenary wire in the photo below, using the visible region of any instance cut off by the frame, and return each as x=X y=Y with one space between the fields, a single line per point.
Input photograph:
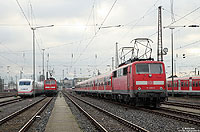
x=139 y=19
x=23 y=13
x=184 y=16
x=164 y=9
x=95 y=33
x=188 y=45
x=83 y=35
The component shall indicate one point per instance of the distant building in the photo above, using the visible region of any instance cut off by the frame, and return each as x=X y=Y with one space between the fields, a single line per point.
x=1 y=85
x=69 y=83
x=77 y=80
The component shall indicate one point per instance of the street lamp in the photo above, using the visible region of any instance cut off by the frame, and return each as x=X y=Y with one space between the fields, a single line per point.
x=172 y=39
x=110 y=26
x=33 y=29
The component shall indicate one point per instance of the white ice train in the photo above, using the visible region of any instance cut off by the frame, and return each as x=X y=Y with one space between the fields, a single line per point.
x=25 y=87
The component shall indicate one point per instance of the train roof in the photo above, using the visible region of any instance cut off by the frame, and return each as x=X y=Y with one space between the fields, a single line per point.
x=137 y=62
x=123 y=66
x=184 y=78
x=96 y=77
x=25 y=80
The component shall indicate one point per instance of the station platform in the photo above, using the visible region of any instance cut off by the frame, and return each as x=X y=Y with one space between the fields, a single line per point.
x=62 y=119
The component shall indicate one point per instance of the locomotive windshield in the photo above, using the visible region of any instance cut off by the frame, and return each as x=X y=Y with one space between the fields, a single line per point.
x=149 y=68
x=25 y=83
x=50 y=82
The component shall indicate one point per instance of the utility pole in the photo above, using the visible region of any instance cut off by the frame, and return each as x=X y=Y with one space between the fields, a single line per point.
x=112 y=63
x=160 y=46
x=63 y=74
x=20 y=74
x=16 y=82
x=43 y=64
x=47 y=65
x=172 y=41
x=116 y=57
x=33 y=29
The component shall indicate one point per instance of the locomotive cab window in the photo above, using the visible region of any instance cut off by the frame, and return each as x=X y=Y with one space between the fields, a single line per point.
x=47 y=82
x=125 y=71
x=25 y=83
x=115 y=74
x=154 y=68
x=142 y=68
x=53 y=82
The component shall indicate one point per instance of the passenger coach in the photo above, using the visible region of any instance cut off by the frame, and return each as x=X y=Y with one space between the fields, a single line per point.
x=138 y=83
x=184 y=86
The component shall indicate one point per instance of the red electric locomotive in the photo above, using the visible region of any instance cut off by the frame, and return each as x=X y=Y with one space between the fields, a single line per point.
x=184 y=86
x=50 y=87
x=138 y=83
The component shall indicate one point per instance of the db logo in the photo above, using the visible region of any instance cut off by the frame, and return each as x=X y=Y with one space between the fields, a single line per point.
x=149 y=83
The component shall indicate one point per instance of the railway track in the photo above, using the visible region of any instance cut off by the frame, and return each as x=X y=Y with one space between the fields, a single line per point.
x=104 y=120
x=183 y=116
x=22 y=119
x=181 y=104
x=5 y=95
x=6 y=102
x=182 y=113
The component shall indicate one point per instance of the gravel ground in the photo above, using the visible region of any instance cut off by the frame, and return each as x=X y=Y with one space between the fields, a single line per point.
x=39 y=124
x=8 y=109
x=4 y=94
x=110 y=124
x=151 y=122
x=83 y=122
x=17 y=122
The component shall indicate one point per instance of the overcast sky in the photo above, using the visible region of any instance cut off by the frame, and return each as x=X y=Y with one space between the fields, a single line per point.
x=78 y=47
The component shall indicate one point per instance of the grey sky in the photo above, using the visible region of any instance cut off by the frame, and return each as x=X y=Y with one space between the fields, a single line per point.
x=70 y=35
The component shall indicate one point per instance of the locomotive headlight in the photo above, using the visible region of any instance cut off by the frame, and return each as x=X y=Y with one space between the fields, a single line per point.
x=161 y=88
x=139 y=88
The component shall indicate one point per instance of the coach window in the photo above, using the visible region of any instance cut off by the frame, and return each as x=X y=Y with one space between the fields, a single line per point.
x=186 y=84
x=196 y=83
x=175 y=84
x=181 y=84
x=193 y=83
